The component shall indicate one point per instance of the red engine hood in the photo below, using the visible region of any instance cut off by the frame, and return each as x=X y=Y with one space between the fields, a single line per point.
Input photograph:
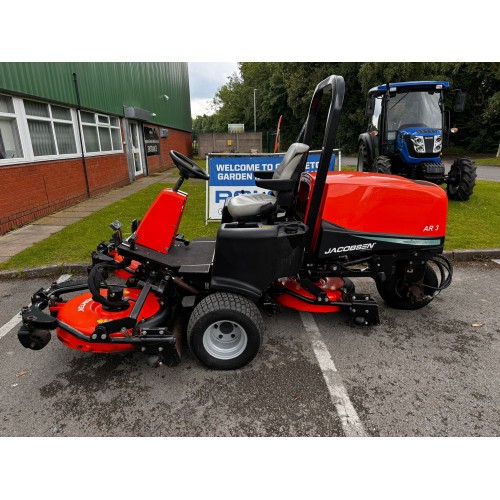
x=378 y=203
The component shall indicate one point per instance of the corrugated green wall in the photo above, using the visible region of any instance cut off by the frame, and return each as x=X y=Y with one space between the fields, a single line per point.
x=107 y=86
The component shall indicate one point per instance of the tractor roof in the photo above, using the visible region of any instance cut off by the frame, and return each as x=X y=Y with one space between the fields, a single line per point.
x=423 y=85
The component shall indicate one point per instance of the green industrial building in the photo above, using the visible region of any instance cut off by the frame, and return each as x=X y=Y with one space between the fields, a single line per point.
x=69 y=131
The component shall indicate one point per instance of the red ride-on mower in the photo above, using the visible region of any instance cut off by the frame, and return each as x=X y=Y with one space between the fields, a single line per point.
x=297 y=247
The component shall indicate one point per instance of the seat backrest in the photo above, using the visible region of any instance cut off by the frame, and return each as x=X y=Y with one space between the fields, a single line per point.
x=294 y=162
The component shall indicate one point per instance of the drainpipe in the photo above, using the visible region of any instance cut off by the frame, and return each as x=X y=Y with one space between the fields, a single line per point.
x=77 y=90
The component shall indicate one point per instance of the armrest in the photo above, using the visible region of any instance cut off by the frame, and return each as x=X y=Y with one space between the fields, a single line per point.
x=275 y=184
x=267 y=174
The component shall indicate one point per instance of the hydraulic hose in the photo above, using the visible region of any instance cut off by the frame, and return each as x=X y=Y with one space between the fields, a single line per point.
x=445 y=268
x=94 y=282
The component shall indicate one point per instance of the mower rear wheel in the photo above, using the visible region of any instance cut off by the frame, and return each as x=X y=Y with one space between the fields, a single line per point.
x=225 y=331
x=382 y=165
x=463 y=175
x=395 y=291
x=363 y=165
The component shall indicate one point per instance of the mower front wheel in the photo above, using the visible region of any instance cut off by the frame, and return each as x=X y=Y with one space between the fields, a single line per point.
x=395 y=291
x=225 y=331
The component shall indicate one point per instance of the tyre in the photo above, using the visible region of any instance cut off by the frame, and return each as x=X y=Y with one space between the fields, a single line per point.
x=395 y=291
x=363 y=164
x=382 y=165
x=461 y=179
x=225 y=331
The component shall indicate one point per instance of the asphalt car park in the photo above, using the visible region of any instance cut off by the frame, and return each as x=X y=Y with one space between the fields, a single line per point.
x=431 y=372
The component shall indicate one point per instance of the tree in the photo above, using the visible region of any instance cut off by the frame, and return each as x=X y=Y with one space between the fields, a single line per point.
x=285 y=88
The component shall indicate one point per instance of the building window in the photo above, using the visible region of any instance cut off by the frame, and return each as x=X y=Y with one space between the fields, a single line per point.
x=51 y=129
x=101 y=133
x=10 y=144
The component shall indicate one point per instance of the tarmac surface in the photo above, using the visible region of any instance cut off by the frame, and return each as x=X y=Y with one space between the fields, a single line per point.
x=484 y=172
x=432 y=372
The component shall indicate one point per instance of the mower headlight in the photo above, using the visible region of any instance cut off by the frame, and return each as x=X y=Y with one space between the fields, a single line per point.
x=418 y=140
x=420 y=149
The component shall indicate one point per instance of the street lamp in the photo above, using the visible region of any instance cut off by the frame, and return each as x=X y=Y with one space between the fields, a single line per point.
x=254 y=112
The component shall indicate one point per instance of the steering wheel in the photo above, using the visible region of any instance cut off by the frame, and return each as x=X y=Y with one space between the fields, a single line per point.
x=187 y=167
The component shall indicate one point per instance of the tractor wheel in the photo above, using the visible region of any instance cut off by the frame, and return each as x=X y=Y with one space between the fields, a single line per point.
x=395 y=291
x=462 y=179
x=382 y=165
x=363 y=164
x=225 y=331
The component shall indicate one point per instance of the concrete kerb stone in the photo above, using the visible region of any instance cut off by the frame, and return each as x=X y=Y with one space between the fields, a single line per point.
x=473 y=254
x=53 y=270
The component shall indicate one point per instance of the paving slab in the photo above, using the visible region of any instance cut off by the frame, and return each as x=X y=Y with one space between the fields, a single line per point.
x=61 y=221
x=80 y=213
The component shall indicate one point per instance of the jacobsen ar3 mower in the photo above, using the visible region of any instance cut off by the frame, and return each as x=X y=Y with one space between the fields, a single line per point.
x=407 y=130
x=297 y=247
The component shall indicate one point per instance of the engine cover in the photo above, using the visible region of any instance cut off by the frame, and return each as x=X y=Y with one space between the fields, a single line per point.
x=379 y=205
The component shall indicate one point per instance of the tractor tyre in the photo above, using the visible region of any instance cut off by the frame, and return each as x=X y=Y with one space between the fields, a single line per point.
x=225 y=331
x=395 y=291
x=363 y=163
x=463 y=171
x=382 y=165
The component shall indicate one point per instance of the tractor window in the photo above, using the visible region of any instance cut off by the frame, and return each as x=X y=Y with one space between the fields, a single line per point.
x=376 y=113
x=414 y=109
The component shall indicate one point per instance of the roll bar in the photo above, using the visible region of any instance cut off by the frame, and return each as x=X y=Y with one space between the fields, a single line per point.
x=337 y=85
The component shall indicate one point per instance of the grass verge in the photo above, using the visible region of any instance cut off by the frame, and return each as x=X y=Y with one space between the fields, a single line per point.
x=487 y=161
x=76 y=242
x=473 y=224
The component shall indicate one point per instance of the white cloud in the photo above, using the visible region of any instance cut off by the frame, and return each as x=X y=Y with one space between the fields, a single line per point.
x=201 y=107
x=205 y=78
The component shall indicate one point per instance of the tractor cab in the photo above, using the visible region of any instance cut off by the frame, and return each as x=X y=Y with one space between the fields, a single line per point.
x=409 y=119
x=407 y=130
x=413 y=119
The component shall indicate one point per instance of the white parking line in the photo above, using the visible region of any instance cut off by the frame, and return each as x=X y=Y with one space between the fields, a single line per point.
x=349 y=419
x=496 y=260
x=12 y=323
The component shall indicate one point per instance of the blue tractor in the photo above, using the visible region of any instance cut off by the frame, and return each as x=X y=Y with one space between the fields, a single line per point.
x=408 y=128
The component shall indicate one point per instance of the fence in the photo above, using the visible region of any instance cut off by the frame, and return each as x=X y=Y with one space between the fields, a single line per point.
x=216 y=142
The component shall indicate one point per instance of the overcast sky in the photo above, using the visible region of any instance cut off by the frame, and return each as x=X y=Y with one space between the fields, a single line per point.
x=204 y=80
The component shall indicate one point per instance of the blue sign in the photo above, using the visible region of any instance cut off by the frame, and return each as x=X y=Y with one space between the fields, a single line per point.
x=234 y=175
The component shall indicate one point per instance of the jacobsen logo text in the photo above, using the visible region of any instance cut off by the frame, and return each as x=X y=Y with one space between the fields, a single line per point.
x=364 y=246
x=81 y=307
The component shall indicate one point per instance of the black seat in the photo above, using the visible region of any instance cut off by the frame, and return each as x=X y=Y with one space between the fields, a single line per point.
x=283 y=182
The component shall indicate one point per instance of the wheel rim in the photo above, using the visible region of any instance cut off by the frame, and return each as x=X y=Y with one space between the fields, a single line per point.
x=225 y=339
